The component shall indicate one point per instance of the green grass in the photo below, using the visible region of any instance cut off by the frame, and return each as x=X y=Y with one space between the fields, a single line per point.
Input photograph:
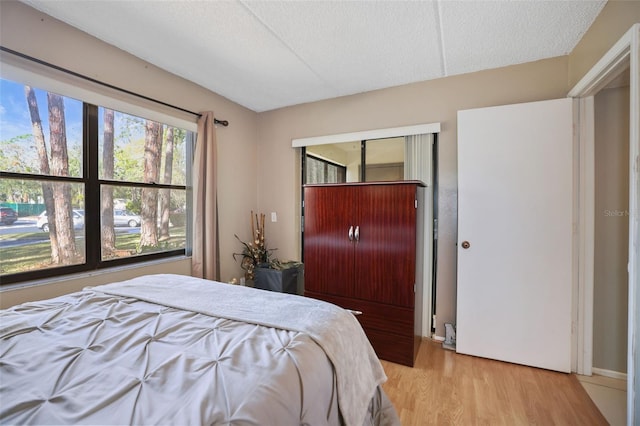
x=25 y=258
x=37 y=253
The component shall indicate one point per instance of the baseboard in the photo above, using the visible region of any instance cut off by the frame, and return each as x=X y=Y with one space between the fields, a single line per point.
x=609 y=373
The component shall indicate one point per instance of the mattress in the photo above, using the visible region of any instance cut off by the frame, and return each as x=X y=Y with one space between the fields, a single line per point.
x=169 y=349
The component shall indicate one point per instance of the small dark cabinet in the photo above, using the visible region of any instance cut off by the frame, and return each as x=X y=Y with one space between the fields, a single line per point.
x=289 y=280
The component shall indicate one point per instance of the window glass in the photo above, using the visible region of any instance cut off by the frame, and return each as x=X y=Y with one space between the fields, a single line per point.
x=40 y=132
x=128 y=229
x=128 y=139
x=29 y=239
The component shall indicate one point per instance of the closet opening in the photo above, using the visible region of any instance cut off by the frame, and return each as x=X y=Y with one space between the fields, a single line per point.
x=383 y=155
x=374 y=160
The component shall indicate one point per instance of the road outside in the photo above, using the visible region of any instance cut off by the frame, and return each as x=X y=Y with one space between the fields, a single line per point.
x=25 y=225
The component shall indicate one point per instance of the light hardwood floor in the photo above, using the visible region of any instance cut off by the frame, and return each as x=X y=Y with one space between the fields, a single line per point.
x=446 y=388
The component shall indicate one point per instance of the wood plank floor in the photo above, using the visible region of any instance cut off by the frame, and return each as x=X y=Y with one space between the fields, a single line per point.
x=446 y=388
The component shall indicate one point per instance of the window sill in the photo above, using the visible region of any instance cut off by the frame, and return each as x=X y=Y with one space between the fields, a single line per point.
x=88 y=275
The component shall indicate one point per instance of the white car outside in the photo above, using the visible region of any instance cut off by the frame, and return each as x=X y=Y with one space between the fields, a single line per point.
x=78 y=220
x=126 y=218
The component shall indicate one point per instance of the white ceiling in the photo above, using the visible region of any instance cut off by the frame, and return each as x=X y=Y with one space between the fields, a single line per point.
x=270 y=54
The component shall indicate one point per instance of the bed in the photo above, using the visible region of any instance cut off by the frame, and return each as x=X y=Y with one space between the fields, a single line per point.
x=172 y=349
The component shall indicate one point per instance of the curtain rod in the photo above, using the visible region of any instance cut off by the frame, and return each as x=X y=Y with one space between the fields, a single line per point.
x=224 y=123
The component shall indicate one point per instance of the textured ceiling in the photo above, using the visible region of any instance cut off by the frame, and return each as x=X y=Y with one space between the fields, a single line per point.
x=270 y=54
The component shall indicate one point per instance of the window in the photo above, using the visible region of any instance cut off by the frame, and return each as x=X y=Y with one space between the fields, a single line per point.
x=136 y=157
x=72 y=170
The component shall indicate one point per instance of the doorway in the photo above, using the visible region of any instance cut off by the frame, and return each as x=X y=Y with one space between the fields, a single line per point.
x=607 y=387
x=611 y=108
x=624 y=54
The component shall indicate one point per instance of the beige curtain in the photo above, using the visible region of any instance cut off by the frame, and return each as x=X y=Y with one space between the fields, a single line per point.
x=204 y=258
x=418 y=166
x=417 y=157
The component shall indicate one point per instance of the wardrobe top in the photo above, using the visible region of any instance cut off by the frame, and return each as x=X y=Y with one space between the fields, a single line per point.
x=393 y=182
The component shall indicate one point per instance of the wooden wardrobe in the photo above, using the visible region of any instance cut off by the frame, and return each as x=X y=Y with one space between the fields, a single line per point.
x=363 y=251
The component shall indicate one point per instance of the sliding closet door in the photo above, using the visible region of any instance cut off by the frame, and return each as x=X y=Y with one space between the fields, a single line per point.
x=515 y=206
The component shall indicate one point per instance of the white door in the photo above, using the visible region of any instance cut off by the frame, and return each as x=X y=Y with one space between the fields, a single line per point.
x=515 y=207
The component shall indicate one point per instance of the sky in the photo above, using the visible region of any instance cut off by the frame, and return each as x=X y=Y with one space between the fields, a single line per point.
x=15 y=119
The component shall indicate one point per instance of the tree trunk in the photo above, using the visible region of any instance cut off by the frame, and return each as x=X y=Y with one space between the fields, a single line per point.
x=165 y=194
x=106 y=212
x=63 y=213
x=152 y=148
x=47 y=189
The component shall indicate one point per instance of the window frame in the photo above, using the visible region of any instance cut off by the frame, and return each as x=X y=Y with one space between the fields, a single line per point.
x=92 y=184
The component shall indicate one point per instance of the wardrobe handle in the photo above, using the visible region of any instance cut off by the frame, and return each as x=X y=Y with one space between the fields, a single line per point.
x=357 y=233
x=351 y=233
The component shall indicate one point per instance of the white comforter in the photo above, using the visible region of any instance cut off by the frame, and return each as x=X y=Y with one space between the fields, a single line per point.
x=168 y=349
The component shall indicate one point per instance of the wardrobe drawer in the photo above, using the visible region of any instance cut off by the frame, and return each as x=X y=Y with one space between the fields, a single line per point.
x=375 y=316
x=394 y=348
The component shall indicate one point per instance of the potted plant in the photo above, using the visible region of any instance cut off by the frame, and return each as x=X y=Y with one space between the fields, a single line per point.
x=255 y=252
x=266 y=271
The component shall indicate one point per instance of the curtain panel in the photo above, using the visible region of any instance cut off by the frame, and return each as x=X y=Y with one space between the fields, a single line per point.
x=417 y=157
x=204 y=258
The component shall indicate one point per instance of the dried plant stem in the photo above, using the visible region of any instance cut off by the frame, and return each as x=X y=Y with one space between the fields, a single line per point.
x=253 y=231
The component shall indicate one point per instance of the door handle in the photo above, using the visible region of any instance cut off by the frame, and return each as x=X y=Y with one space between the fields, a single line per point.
x=351 y=233
x=357 y=235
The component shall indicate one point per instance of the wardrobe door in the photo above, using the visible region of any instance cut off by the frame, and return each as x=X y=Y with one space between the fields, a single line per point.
x=385 y=250
x=328 y=249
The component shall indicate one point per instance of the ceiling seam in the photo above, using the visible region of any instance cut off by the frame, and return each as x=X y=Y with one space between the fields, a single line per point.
x=277 y=36
x=443 y=55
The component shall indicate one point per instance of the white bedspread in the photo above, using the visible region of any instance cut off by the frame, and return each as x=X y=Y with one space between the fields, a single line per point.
x=91 y=358
x=358 y=370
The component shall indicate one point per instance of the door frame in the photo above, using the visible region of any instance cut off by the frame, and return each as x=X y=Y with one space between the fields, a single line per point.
x=625 y=53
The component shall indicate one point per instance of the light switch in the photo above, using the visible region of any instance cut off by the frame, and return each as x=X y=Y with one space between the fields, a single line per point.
x=274 y=217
